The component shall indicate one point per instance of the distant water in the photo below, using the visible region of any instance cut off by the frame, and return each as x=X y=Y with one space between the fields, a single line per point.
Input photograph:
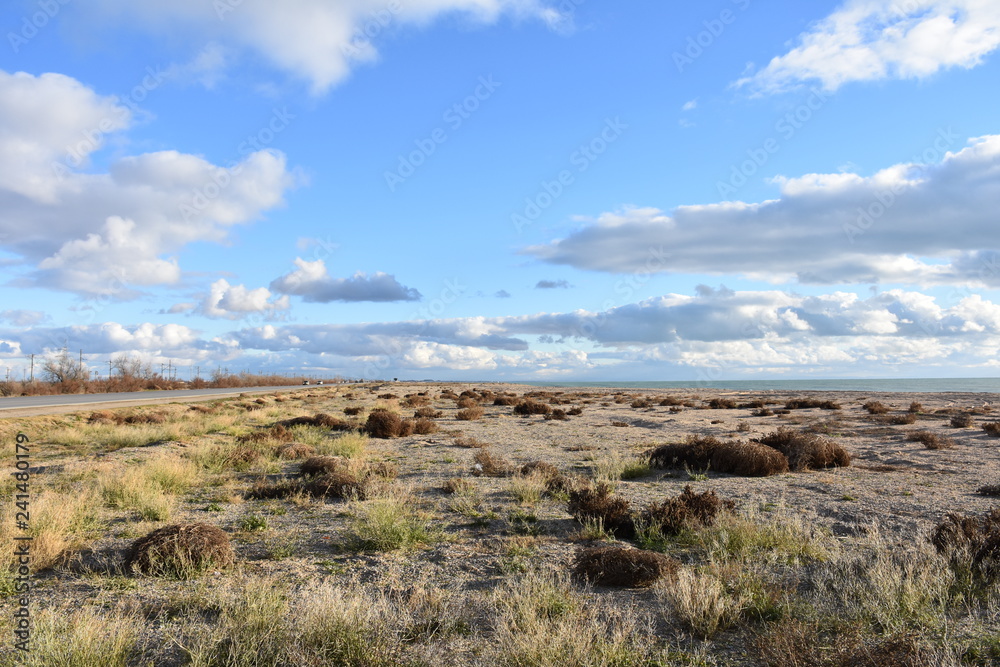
x=930 y=385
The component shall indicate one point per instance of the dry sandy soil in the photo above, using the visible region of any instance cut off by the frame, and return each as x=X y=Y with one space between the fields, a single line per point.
x=895 y=486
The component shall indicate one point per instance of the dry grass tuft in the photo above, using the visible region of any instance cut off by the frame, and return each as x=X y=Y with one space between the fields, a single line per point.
x=876 y=408
x=992 y=428
x=472 y=413
x=181 y=550
x=427 y=413
x=930 y=440
x=530 y=407
x=963 y=420
x=424 y=426
x=613 y=565
x=295 y=450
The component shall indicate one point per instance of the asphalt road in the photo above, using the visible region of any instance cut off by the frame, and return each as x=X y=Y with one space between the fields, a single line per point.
x=133 y=397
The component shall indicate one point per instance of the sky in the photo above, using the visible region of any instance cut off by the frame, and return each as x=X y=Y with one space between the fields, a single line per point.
x=546 y=190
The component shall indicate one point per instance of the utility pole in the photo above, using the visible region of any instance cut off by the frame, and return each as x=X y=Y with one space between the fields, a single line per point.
x=32 y=368
x=109 y=370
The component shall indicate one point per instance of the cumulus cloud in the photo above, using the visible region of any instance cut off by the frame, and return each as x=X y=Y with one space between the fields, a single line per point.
x=316 y=40
x=869 y=40
x=920 y=224
x=233 y=302
x=312 y=282
x=502 y=294
x=98 y=234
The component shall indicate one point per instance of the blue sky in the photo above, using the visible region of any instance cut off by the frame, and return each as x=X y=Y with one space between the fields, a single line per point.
x=503 y=189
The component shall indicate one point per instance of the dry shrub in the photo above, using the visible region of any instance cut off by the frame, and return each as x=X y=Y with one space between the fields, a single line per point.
x=295 y=450
x=876 y=408
x=204 y=409
x=424 y=426
x=320 y=465
x=485 y=463
x=895 y=420
x=916 y=407
x=341 y=484
x=105 y=417
x=596 y=503
x=416 y=401
x=557 y=414
x=427 y=413
x=722 y=404
x=806 y=403
x=622 y=566
x=642 y=403
x=554 y=479
x=321 y=420
x=277 y=432
x=506 y=400
x=989 y=490
x=670 y=401
x=387 y=397
x=468 y=403
x=180 y=550
x=384 y=424
x=353 y=410
x=963 y=420
x=620 y=424
x=470 y=442
x=469 y=414
x=798 y=643
x=575 y=411
x=157 y=417
x=930 y=440
x=806 y=451
x=456 y=485
x=763 y=412
x=695 y=451
x=242 y=455
x=749 y=459
x=689 y=510
x=530 y=407
x=992 y=428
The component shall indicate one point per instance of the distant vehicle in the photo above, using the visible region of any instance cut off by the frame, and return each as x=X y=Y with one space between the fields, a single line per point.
x=319 y=382
x=305 y=382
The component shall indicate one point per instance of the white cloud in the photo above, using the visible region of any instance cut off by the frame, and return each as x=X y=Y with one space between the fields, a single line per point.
x=317 y=40
x=867 y=40
x=22 y=318
x=312 y=282
x=233 y=302
x=690 y=105
x=100 y=233
x=909 y=224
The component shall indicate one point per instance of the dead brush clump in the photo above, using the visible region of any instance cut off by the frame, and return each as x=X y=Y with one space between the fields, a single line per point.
x=424 y=426
x=506 y=400
x=688 y=511
x=385 y=424
x=806 y=451
x=353 y=410
x=641 y=403
x=963 y=420
x=276 y=433
x=467 y=402
x=597 y=504
x=324 y=465
x=557 y=415
x=203 y=409
x=915 y=407
x=876 y=408
x=321 y=420
x=487 y=464
x=529 y=407
x=105 y=417
x=294 y=450
x=806 y=403
x=992 y=428
x=428 y=413
x=180 y=550
x=470 y=442
x=721 y=404
x=669 y=401
x=575 y=411
x=930 y=440
x=470 y=414
x=456 y=485
x=416 y=401
x=895 y=420
x=972 y=543
x=156 y=417
x=555 y=481
x=763 y=412
x=989 y=490
x=749 y=459
x=622 y=566
x=241 y=456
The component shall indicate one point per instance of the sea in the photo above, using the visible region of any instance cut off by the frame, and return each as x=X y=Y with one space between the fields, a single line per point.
x=922 y=385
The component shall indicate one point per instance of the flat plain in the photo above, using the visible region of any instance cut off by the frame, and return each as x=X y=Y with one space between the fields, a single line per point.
x=512 y=525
